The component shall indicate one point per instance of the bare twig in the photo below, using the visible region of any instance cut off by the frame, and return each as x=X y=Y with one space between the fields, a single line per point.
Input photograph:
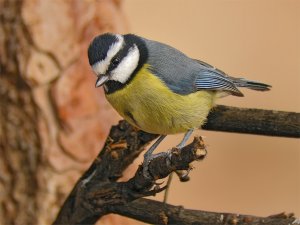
x=254 y=121
x=155 y=212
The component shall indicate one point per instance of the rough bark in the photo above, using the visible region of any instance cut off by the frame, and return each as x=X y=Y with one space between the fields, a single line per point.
x=20 y=143
x=97 y=190
x=43 y=121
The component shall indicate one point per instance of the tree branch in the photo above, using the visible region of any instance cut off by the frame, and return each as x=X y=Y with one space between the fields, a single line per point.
x=122 y=146
x=155 y=212
x=95 y=193
x=254 y=121
x=98 y=193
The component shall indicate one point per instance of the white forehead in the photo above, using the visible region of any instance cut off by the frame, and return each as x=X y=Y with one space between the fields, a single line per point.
x=126 y=67
x=102 y=66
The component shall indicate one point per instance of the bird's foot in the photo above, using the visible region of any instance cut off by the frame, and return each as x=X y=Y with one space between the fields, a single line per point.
x=182 y=174
x=168 y=155
x=147 y=160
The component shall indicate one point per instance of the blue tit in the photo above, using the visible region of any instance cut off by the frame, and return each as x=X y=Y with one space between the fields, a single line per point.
x=157 y=88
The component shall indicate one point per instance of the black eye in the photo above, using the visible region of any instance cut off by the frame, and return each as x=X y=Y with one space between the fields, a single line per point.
x=115 y=61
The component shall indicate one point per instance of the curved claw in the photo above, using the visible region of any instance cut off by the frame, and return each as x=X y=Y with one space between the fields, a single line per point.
x=183 y=174
x=147 y=161
x=159 y=183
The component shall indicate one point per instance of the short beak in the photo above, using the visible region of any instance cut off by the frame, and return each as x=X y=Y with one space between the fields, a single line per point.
x=101 y=80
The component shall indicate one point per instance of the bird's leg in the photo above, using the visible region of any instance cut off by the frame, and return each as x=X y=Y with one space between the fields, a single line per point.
x=185 y=138
x=179 y=146
x=154 y=146
x=148 y=155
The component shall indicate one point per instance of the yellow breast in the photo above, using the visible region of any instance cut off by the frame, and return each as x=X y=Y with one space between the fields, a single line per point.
x=150 y=105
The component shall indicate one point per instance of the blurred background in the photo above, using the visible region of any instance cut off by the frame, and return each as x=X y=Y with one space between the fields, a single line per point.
x=58 y=121
x=255 y=39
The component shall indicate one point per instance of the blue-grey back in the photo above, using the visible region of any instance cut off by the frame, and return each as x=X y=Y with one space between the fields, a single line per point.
x=177 y=70
x=184 y=75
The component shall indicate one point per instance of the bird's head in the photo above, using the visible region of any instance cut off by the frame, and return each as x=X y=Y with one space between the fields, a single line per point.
x=115 y=58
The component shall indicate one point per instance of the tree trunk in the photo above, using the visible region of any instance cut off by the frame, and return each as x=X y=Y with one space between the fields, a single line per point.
x=49 y=110
x=20 y=141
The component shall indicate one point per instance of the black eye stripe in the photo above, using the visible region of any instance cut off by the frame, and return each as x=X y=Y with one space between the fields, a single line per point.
x=115 y=61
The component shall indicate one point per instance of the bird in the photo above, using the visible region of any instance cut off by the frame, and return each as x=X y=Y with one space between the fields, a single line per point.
x=157 y=88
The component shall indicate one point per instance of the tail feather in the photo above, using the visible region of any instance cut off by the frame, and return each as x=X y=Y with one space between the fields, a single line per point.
x=254 y=85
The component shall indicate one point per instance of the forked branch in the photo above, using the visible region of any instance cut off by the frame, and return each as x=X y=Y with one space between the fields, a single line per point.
x=98 y=193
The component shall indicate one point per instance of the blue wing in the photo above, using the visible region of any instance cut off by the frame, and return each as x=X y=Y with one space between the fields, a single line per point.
x=211 y=78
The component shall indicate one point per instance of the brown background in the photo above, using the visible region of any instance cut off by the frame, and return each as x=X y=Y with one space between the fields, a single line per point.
x=259 y=40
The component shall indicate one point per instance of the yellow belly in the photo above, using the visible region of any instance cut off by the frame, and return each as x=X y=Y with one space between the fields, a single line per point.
x=149 y=105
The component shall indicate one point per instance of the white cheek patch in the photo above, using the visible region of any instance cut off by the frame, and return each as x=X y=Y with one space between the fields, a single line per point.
x=126 y=66
x=102 y=66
